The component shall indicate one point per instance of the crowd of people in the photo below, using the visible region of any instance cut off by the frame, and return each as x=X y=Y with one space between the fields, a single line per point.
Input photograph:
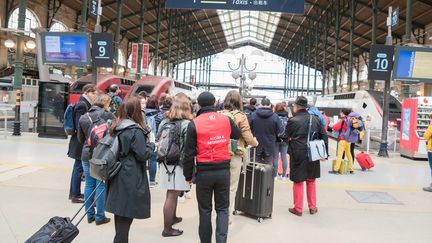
x=207 y=143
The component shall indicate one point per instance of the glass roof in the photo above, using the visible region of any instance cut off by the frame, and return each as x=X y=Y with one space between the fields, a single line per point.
x=249 y=26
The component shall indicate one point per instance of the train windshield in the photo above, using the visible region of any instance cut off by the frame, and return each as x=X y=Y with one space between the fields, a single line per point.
x=394 y=104
x=146 y=88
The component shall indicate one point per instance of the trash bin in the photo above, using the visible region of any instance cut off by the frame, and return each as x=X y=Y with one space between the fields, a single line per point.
x=53 y=100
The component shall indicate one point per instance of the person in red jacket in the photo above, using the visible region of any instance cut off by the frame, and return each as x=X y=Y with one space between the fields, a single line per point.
x=207 y=140
x=326 y=119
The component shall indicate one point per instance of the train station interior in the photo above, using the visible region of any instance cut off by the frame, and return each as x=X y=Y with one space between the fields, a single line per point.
x=333 y=52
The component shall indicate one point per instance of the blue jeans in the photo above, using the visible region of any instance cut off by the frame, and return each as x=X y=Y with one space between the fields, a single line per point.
x=75 y=185
x=283 y=149
x=153 y=167
x=90 y=184
x=430 y=161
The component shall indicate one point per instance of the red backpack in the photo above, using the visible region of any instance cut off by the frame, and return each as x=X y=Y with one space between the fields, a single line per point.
x=97 y=131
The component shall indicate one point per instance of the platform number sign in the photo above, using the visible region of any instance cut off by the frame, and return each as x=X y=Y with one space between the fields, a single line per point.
x=93 y=8
x=381 y=62
x=102 y=49
x=395 y=18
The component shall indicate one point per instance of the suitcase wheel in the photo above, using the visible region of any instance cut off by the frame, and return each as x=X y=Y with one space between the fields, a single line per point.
x=260 y=220
x=363 y=169
x=235 y=212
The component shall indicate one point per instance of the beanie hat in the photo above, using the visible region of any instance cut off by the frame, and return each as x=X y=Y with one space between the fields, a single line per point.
x=206 y=99
x=301 y=101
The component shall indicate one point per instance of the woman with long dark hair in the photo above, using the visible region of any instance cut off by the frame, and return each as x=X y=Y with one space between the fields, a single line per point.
x=128 y=193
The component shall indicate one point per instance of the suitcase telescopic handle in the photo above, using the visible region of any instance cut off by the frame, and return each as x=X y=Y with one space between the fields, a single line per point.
x=253 y=174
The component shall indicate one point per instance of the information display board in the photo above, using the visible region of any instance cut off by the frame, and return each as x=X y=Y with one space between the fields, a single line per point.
x=413 y=64
x=102 y=50
x=285 y=6
x=65 y=48
x=381 y=62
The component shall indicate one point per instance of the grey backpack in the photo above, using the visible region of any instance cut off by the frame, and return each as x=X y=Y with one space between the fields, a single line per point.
x=105 y=163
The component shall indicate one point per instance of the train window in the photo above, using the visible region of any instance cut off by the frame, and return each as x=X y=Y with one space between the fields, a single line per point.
x=35 y=82
x=364 y=105
x=27 y=82
x=345 y=96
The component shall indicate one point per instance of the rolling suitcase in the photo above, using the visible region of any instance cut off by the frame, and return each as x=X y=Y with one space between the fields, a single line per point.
x=365 y=161
x=255 y=190
x=58 y=229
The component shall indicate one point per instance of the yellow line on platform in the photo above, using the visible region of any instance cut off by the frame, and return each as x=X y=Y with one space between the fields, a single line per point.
x=43 y=166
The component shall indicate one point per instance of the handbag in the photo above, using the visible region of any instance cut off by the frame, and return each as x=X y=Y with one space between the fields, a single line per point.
x=316 y=148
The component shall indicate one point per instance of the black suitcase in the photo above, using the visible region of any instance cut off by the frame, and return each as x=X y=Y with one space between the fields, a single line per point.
x=58 y=229
x=255 y=190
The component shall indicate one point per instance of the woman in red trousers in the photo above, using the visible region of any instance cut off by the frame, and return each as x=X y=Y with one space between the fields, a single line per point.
x=301 y=169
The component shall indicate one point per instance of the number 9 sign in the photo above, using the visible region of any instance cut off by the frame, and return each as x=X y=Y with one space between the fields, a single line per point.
x=102 y=49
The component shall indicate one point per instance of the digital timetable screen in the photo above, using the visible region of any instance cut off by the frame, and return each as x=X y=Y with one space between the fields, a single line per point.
x=65 y=48
x=413 y=64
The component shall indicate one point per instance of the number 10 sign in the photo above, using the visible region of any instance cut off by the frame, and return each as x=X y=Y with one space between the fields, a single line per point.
x=380 y=62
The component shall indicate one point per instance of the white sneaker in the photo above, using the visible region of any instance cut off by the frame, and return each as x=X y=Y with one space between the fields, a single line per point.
x=188 y=195
x=181 y=199
x=276 y=178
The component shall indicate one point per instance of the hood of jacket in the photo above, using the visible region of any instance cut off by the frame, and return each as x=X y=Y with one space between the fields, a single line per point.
x=150 y=112
x=126 y=123
x=282 y=113
x=314 y=111
x=264 y=112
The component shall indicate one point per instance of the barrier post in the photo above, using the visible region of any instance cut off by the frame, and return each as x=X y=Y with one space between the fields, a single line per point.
x=395 y=145
x=367 y=140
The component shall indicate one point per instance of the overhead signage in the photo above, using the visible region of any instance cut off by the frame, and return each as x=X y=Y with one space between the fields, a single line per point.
x=65 y=48
x=413 y=64
x=381 y=62
x=284 y=6
x=93 y=8
x=102 y=50
x=145 y=56
x=395 y=18
x=134 y=55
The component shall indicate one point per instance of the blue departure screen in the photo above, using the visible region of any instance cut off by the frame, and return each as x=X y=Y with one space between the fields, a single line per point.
x=413 y=63
x=66 y=49
x=405 y=63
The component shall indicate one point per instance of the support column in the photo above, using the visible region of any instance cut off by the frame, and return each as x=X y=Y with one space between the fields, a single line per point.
x=158 y=27
x=309 y=60
x=303 y=67
x=19 y=67
x=324 y=69
x=316 y=56
x=351 y=44
x=140 y=41
x=117 y=35
x=298 y=70
x=336 y=52
x=374 y=29
x=170 y=25
x=285 y=79
x=408 y=22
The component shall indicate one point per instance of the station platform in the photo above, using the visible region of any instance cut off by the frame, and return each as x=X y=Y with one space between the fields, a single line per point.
x=35 y=177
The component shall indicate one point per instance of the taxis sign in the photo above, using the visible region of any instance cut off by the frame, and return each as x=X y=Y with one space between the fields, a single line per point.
x=286 y=6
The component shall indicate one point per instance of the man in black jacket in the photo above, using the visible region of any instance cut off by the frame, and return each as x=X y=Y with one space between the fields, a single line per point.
x=301 y=169
x=75 y=147
x=266 y=127
x=208 y=137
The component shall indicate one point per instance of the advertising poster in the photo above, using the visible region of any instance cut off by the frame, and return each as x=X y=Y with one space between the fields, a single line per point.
x=406 y=124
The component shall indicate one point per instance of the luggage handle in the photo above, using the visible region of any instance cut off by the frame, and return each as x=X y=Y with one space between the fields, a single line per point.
x=245 y=164
x=253 y=175
x=93 y=192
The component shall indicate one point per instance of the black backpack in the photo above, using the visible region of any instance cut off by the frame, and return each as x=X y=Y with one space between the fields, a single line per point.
x=105 y=163
x=168 y=151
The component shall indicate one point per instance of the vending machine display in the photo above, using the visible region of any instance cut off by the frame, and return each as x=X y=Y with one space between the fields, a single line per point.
x=416 y=117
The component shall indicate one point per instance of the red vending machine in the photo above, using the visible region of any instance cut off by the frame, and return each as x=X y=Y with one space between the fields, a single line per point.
x=416 y=117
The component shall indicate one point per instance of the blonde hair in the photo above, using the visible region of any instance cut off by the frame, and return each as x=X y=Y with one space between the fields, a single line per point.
x=101 y=100
x=180 y=109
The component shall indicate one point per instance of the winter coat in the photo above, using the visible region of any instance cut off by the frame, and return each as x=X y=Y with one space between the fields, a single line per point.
x=265 y=127
x=297 y=129
x=428 y=137
x=340 y=128
x=282 y=114
x=128 y=193
x=84 y=125
x=314 y=111
x=75 y=147
x=241 y=120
